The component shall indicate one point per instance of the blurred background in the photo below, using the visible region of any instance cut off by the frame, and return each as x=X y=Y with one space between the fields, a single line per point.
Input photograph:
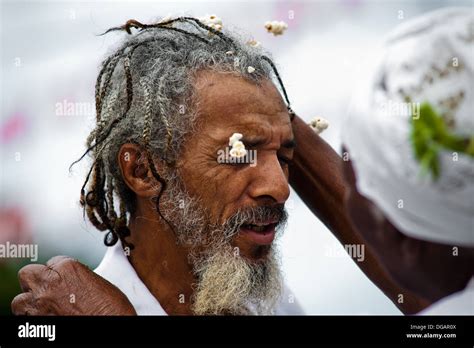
x=50 y=56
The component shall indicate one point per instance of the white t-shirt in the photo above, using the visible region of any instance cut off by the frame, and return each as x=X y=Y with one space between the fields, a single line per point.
x=459 y=303
x=116 y=268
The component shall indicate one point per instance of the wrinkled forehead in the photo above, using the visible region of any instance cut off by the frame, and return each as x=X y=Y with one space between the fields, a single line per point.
x=226 y=99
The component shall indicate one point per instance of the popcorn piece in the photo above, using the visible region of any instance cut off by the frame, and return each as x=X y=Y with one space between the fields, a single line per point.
x=276 y=27
x=238 y=153
x=250 y=69
x=253 y=43
x=238 y=148
x=238 y=145
x=212 y=21
x=319 y=124
x=235 y=137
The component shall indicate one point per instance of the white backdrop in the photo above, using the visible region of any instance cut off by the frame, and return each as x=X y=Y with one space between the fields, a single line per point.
x=50 y=55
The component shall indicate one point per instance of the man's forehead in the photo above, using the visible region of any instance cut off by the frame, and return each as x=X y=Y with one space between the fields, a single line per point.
x=255 y=132
x=222 y=97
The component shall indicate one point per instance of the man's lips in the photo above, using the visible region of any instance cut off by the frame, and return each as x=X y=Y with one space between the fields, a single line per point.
x=261 y=233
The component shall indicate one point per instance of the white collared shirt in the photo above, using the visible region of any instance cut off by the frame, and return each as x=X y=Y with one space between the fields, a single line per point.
x=116 y=268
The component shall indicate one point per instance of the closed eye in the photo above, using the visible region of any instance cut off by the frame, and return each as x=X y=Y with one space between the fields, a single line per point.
x=238 y=162
x=284 y=160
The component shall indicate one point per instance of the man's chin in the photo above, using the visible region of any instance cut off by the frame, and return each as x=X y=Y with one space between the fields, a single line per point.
x=253 y=246
x=229 y=283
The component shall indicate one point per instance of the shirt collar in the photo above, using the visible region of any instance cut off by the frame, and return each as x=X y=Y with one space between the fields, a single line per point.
x=116 y=268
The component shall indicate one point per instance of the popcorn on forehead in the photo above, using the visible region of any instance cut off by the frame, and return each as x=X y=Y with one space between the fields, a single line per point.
x=237 y=146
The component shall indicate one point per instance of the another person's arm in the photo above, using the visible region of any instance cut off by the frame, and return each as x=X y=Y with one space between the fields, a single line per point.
x=66 y=287
x=316 y=175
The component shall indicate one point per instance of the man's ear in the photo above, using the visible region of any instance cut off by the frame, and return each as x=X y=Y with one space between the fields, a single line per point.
x=135 y=170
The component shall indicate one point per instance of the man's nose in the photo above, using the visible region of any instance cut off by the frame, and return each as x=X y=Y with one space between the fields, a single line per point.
x=269 y=181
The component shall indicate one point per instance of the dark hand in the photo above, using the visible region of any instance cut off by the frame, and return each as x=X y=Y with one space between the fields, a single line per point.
x=66 y=287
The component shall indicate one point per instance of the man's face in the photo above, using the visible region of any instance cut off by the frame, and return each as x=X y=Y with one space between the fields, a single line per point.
x=223 y=215
x=229 y=104
x=227 y=214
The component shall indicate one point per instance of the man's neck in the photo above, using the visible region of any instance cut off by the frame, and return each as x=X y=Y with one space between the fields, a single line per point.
x=161 y=264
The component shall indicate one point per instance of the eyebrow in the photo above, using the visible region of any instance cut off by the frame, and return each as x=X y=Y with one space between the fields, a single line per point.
x=257 y=141
x=253 y=141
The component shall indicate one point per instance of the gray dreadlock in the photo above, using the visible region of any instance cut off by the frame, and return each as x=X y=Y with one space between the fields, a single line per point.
x=144 y=95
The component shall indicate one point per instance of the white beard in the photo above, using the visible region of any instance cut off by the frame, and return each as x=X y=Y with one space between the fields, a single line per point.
x=228 y=284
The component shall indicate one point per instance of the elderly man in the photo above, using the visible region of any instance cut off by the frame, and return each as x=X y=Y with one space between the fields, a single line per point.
x=190 y=174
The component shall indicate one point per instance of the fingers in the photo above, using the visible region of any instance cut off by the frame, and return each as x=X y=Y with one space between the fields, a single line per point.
x=27 y=304
x=45 y=286
x=65 y=268
x=55 y=261
x=28 y=276
x=21 y=304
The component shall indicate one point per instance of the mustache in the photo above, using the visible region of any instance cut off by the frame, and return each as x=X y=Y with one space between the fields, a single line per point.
x=254 y=215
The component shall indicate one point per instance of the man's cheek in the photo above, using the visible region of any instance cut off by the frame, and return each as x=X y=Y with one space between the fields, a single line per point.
x=228 y=182
x=197 y=175
x=227 y=199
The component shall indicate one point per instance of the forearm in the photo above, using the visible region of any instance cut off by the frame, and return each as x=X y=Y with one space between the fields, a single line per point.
x=316 y=175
